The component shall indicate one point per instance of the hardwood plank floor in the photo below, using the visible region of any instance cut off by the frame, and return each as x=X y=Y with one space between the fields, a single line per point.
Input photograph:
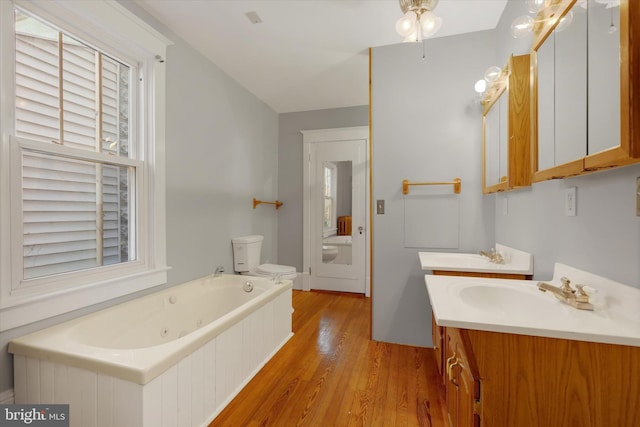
x=331 y=374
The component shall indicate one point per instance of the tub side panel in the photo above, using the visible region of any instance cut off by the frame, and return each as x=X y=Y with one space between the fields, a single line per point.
x=61 y=383
x=105 y=401
x=46 y=382
x=254 y=339
x=20 y=379
x=170 y=397
x=229 y=364
x=197 y=386
x=33 y=380
x=127 y=408
x=82 y=398
x=210 y=376
x=184 y=392
x=152 y=403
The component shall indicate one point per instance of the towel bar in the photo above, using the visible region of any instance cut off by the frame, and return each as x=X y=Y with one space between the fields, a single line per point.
x=457 y=185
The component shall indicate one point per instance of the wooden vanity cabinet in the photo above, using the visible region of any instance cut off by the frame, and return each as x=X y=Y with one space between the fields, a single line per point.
x=500 y=379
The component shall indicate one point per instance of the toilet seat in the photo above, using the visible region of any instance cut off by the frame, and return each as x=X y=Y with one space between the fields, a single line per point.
x=268 y=270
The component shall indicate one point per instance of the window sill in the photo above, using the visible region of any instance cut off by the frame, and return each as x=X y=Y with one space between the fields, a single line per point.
x=20 y=311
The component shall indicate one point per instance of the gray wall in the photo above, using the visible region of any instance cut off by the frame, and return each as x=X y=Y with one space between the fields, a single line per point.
x=221 y=150
x=426 y=127
x=290 y=171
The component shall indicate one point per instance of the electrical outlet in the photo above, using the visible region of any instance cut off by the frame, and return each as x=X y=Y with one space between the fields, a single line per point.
x=380 y=207
x=638 y=196
x=570 y=202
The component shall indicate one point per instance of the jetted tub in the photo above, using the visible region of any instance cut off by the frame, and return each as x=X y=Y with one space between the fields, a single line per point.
x=172 y=358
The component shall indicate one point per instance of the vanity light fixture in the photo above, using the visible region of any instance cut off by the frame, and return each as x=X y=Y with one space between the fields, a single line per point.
x=522 y=26
x=418 y=21
x=490 y=75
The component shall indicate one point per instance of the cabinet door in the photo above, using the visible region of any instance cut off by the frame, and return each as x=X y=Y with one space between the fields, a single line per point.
x=451 y=381
x=467 y=396
x=462 y=384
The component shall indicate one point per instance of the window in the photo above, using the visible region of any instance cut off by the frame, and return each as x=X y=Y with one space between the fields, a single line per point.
x=76 y=210
x=329 y=218
x=83 y=131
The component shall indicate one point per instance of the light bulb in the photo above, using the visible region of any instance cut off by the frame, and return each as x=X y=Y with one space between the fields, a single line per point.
x=492 y=73
x=430 y=23
x=406 y=24
x=535 y=6
x=565 y=21
x=521 y=26
x=480 y=86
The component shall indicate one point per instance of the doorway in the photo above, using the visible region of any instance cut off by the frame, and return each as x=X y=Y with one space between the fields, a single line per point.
x=336 y=214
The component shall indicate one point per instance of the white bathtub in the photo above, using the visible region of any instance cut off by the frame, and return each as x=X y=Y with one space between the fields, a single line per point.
x=173 y=358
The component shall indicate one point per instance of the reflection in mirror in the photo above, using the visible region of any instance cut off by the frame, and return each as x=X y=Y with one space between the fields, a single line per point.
x=562 y=92
x=336 y=215
x=604 y=75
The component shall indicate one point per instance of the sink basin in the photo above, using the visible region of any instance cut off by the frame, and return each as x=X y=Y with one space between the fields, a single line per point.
x=516 y=262
x=507 y=301
x=518 y=306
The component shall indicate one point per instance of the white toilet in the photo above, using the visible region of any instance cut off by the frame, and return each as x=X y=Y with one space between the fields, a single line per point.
x=246 y=259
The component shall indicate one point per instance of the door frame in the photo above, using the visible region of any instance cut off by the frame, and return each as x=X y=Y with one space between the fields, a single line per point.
x=332 y=135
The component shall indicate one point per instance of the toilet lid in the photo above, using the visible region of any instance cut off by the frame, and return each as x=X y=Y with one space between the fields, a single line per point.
x=275 y=268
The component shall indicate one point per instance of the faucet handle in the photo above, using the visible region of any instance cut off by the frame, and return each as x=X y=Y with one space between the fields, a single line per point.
x=581 y=294
x=566 y=285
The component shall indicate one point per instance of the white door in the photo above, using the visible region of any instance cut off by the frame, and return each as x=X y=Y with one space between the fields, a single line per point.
x=337 y=172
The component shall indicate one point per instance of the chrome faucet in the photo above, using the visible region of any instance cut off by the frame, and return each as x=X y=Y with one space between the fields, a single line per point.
x=219 y=271
x=576 y=298
x=494 y=256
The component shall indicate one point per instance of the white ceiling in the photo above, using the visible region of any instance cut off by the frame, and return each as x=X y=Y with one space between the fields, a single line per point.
x=306 y=54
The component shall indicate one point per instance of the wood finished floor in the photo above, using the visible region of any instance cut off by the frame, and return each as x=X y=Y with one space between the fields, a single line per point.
x=331 y=374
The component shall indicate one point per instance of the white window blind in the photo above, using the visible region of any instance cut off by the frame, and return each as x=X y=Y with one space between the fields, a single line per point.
x=76 y=212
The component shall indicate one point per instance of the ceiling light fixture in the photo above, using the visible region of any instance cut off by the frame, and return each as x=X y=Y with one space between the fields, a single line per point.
x=418 y=21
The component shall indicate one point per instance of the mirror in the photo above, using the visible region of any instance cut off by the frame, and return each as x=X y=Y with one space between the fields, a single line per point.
x=604 y=76
x=336 y=214
x=495 y=161
x=562 y=91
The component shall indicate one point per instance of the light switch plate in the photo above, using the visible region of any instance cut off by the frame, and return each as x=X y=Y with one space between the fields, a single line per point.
x=570 y=201
x=380 y=207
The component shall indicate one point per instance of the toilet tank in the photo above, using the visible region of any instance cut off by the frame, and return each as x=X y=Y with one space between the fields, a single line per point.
x=246 y=252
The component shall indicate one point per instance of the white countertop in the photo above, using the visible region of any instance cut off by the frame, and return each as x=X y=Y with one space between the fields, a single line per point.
x=516 y=262
x=518 y=307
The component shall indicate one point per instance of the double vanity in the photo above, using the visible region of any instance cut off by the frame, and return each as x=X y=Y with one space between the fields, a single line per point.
x=511 y=355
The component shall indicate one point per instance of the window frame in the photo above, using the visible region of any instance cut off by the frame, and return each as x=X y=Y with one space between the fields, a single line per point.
x=111 y=28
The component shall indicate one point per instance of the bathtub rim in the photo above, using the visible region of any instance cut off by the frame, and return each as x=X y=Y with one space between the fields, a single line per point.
x=148 y=363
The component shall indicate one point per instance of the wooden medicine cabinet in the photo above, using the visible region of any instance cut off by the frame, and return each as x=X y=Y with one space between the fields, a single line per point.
x=584 y=70
x=506 y=132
